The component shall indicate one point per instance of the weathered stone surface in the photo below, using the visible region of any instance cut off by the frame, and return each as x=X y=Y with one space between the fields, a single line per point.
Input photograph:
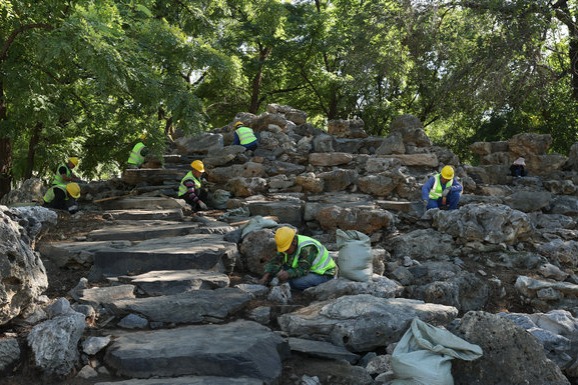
x=362 y=322
x=365 y=221
x=167 y=282
x=486 y=223
x=500 y=338
x=425 y=160
x=55 y=343
x=22 y=271
x=329 y=159
x=237 y=349
x=194 y=251
x=190 y=307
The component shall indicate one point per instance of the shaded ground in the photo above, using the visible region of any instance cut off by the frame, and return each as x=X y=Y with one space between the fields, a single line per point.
x=62 y=280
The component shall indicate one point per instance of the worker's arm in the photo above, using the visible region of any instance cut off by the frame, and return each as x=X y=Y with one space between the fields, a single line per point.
x=236 y=140
x=456 y=186
x=191 y=190
x=426 y=188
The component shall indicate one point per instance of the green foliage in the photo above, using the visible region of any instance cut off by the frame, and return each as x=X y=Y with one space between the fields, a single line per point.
x=87 y=78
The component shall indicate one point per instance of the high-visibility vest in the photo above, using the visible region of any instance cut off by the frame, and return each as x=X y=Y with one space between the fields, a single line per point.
x=49 y=196
x=438 y=187
x=182 y=188
x=323 y=260
x=58 y=178
x=135 y=157
x=245 y=135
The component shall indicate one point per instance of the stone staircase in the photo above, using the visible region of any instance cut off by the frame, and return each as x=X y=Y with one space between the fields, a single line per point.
x=163 y=275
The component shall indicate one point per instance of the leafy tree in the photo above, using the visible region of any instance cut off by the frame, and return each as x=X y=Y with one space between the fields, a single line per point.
x=88 y=80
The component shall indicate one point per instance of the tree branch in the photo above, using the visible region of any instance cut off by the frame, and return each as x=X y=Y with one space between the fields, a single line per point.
x=8 y=43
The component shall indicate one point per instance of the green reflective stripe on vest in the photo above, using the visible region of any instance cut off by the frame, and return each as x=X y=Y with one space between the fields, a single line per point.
x=135 y=157
x=58 y=178
x=49 y=196
x=245 y=135
x=323 y=260
x=437 y=189
x=182 y=188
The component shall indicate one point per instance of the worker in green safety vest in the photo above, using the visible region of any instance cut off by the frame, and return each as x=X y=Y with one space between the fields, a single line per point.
x=245 y=136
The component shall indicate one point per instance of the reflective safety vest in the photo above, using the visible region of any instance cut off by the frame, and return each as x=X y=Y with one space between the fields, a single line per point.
x=58 y=178
x=135 y=157
x=49 y=196
x=245 y=135
x=323 y=260
x=438 y=188
x=182 y=188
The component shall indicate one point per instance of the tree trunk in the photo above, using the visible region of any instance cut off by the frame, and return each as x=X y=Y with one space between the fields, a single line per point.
x=573 y=47
x=5 y=166
x=32 y=145
x=5 y=151
x=256 y=86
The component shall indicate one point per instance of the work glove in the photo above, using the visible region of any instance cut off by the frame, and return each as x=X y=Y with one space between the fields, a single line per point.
x=446 y=192
x=424 y=203
x=202 y=205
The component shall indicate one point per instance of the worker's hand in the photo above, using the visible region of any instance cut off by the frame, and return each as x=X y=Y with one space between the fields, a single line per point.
x=283 y=275
x=264 y=279
x=446 y=192
x=444 y=201
x=425 y=203
x=202 y=205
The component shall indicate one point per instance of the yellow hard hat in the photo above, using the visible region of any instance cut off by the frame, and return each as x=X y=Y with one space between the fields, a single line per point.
x=198 y=165
x=283 y=238
x=447 y=172
x=73 y=189
x=238 y=123
x=73 y=160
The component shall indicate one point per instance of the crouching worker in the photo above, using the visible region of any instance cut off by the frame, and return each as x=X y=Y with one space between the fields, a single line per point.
x=442 y=190
x=191 y=189
x=302 y=261
x=63 y=197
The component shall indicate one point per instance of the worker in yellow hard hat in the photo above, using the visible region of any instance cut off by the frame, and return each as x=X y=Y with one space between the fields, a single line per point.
x=245 y=136
x=63 y=197
x=190 y=188
x=64 y=173
x=302 y=261
x=442 y=190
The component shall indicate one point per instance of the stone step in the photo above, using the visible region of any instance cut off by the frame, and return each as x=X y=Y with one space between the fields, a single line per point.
x=152 y=175
x=194 y=251
x=142 y=229
x=189 y=380
x=238 y=349
x=198 y=306
x=139 y=202
x=136 y=214
x=167 y=282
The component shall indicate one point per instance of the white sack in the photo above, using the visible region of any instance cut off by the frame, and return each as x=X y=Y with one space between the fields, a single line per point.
x=355 y=260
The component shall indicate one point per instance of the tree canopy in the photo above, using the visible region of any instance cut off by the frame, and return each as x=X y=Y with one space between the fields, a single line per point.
x=87 y=78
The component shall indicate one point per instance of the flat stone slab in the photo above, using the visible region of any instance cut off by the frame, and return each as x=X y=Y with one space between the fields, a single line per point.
x=197 y=380
x=98 y=295
x=142 y=214
x=322 y=349
x=77 y=253
x=142 y=230
x=191 y=307
x=153 y=175
x=140 y=203
x=238 y=349
x=157 y=283
x=362 y=322
x=194 y=251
